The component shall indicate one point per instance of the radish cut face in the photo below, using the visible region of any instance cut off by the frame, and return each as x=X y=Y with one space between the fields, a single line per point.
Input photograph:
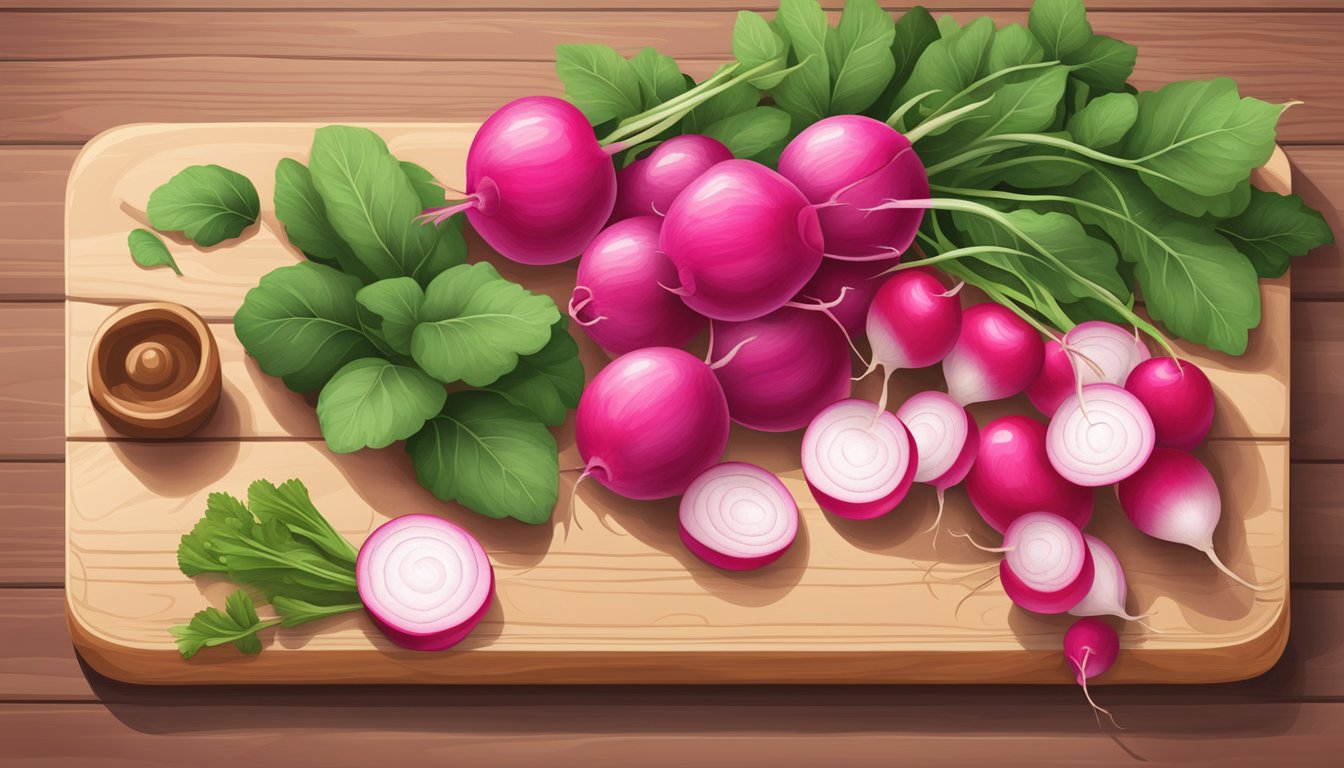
x=1047 y=567
x=1097 y=352
x=1099 y=437
x=738 y=516
x=946 y=438
x=648 y=186
x=425 y=581
x=857 y=468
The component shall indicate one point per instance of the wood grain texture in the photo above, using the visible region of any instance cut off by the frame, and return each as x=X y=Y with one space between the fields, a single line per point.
x=32 y=204
x=32 y=524
x=1318 y=176
x=29 y=372
x=1318 y=381
x=1318 y=523
x=669 y=6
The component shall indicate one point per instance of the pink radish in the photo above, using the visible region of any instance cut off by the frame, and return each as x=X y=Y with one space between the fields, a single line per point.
x=744 y=241
x=996 y=356
x=647 y=186
x=1178 y=397
x=618 y=298
x=851 y=285
x=853 y=163
x=913 y=322
x=425 y=582
x=946 y=440
x=1174 y=498
x=797 y=364
x=1109 y=590
x=1047 y=567
x=1012 y=476
x=1091 y=647
x=539 y=186
x=1099 y=436
x=1093 y=352
x=857 y=468
x=738 y=517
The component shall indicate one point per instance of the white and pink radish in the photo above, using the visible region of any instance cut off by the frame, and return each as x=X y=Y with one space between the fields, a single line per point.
x=744 y=240
x=1174 y=498
x=997 y=355
x=1093 y=352
x=913 y=322
x=849 y=163
x=539 y=186
x=1091 y=647
x=738 y=517
x=425 y=582
x=1099 y=436
x=618 y=297
x=1012 y=476
x=1047 y=566
x=648 y=186
x=1109 y=590
x=650 y=422
x=847 y=288
x=1178 y=397
x=946 y=440
x=858 y=468
x=796 y=364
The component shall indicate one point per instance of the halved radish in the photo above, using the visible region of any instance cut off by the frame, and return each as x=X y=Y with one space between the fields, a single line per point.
x=857 y=467
x=738 y=516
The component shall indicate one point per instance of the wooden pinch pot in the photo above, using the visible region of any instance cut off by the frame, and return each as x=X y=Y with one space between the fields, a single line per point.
x=154 y=370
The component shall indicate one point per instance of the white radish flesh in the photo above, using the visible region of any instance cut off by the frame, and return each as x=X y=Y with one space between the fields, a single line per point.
x=738 y=516
x=858 y=468
x=1099 y=436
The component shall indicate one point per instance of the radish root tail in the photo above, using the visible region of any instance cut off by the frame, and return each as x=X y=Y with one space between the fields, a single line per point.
x=967 y=536
x=1218 y=562
x=1096 y=710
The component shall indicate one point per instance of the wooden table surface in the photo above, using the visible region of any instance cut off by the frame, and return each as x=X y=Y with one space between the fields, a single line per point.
x=69 y=72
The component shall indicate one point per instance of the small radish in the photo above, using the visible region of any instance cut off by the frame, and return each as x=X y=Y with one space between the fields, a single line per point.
x=1099 y=436
x=1091 y=647
x=1174 y=498
x=738 y=516
x=946 y=440
x=1109 y=590
x=850 y=286
x=648 y=186
x=857 y=468
x=1178 y=397
x=1091 y=353
x=744 y=241
x=1047 y=567
x=539 y=186
x=618 y=298
x=1012 y=476
x=996 y=356
x=913 y=322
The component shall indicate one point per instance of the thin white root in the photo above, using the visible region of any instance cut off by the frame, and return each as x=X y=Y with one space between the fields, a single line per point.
x=1082 y=677
x=1216 y=561
x=967 y=536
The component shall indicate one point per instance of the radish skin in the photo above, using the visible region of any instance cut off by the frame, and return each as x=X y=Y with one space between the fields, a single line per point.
x=852 y=285
x=1178 y=398
x=648 y=186
x=1093 y=352
x=1012 y=476
x=1047 y=566
x=997 y=355
x=857 y=468
x=1099 y=436
x=913 y=322
x=1091 y=647
x=738 y=517
x=1109 y=590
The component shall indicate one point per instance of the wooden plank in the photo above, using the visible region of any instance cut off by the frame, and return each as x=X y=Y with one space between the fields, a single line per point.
x=1318 y=523
x=32 y=203
x=31 y=372
x=32 y=524
x=1318 y=346
x=672 y=6
x=1318 y=176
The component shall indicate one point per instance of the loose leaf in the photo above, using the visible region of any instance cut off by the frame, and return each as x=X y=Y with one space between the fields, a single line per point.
x=371 y=403
x=948 y=66
x=1022 y=107
x=858 y=52
x=549 y=382
x=300 y=208
x=396 y=301
x=1104 y=121
x=660 y=78
x=1013 y=46
x=490 y=455
x=475 y=324
x=1273 y=229
x=207 y=203
x=752 y=132
x=598 y=81
x=237 y=623
x=1103 y=63
x=734 y=100
x=301 y=324
x=148 y=250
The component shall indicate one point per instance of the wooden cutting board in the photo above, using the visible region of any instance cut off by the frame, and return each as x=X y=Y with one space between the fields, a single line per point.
x=580 y=601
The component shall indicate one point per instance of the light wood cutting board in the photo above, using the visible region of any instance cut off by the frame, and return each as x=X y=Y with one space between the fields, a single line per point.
x=579 y=601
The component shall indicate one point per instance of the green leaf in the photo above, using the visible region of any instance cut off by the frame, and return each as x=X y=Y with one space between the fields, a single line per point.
x=549 y=382
x=1105 y=120
x=289 y=505
x=451 y=249
x=224 y=516
x=1103 y=63
x=1023 y=107
x=1060 y=26
x=427 y=190
x=598 y=81
x=1013 y=46
x=301 y=324
x=949 y=65
x=755 y=44
x=294 y=611
x=300 y=208
x=372 y=205
x=659 y=77
x=858 y=52
x=207 y=203
x=489 y=455
x=148 y=250
x=734 y=100
x=749 y=133
x=396 y=301
x=371 y=403
x=1273 y=229
x=914 y=31
x=806 y=93
x=237 y=623
x=1220 y=206
x=474 y=324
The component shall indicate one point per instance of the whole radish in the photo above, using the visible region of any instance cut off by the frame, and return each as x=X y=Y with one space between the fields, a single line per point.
x=1091 y=647
x=618 y=298
x=1178 y=398
x=1109 y=590
x=858 y=468
x=1012 y=476
x=1099 y=436
x=996 y=356
x=539 y=186
x=946 y=440
x=913 y=322
x=851 y=163
x=1091 y=353
x=850 y=286
x=648 y=186
x=737 y=516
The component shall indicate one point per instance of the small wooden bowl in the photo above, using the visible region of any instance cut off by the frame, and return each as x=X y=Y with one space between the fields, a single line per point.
x=154 y=370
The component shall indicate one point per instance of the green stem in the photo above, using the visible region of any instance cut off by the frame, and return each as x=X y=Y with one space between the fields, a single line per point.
x=968 y=90
x=957 y=160
x=639 y=122
x=934 y=123
x=660 y=118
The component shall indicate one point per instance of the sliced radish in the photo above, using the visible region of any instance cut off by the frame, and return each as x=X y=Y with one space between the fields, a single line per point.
x=1094 y=352
x=1012 y=476
x=1047 y=567
x=738 y=516
x=1099 y=436
x=858 y=468
x=425 y=581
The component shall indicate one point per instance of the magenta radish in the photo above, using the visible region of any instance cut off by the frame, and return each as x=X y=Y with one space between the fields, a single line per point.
x=1012 y=476
x=1174 y=498
x=797 y=364
x=744 y=241
x=1178 y=398
x=946 y=440
x=539 y=186
x=1047 y=567
x=1109 y=590
x=650 y=422
x=854 y=163
x=1099 y=436
x=425 y=582
x=648 y=186
x=618 y=297
x=857 y=468
x=1093 y=352
x=913 y=322
x=851 y=285
x=738 y=516
x=996 y=355
x=1091 y=647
